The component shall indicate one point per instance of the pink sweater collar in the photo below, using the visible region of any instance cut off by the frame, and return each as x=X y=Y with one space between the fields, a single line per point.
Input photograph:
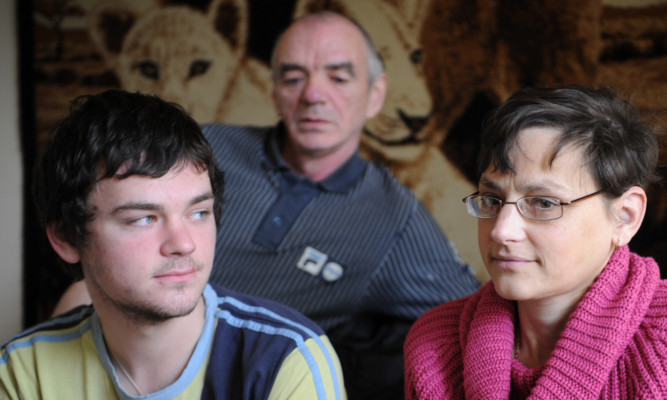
x=594 y=338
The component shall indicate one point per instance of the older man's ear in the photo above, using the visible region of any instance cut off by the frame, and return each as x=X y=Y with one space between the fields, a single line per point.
x=376 y=97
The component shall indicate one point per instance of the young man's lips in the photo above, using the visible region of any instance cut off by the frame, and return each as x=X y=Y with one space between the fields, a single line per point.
x=177 y=275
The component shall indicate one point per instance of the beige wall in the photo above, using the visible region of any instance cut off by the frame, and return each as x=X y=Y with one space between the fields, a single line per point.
x=10 y=178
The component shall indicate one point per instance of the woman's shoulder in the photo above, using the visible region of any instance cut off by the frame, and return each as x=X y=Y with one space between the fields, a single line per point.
x=438 y=326
x=432 y=351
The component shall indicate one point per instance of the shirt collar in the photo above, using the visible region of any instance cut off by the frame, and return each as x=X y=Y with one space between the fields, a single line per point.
x=342 y=180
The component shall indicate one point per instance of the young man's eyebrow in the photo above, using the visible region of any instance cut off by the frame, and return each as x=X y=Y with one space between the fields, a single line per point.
x=202 y=197
x=157 y=207
x=136 y=206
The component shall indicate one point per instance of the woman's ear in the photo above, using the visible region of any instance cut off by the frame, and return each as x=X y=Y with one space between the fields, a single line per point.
x=68 y=252
x=630 y=209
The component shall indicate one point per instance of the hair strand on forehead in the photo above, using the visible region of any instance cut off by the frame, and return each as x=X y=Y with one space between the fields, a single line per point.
x=619 y=149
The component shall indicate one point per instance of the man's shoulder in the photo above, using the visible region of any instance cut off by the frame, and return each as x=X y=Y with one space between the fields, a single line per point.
x=263 y=346
x=236 y=146
x=379 y=181
x=219 y=130
x=47 y=341
x=264 y=312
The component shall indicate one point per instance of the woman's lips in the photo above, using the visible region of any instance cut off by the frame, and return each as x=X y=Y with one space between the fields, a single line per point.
x=509 y=261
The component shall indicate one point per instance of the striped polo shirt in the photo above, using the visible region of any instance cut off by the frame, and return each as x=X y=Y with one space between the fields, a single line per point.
x=359 y=242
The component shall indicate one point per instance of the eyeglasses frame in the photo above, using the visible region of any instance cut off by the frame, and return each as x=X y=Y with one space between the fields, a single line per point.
x=503 y=202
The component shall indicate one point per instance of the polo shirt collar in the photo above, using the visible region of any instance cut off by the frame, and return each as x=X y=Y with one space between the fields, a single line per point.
x=342 y=180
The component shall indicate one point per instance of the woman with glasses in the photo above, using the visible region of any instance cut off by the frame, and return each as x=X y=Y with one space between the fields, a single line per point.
x=570 y=312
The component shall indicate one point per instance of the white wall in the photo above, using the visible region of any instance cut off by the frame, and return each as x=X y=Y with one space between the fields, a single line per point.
x=11 y=180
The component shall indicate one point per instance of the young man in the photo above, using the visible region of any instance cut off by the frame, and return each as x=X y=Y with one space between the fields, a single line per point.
x=130 y=194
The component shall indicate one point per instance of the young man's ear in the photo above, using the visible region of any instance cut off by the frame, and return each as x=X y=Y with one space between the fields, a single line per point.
x=68 y=252
x=630 y=210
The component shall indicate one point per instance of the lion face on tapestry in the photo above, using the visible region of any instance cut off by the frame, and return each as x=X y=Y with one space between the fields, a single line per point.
x=181 y=54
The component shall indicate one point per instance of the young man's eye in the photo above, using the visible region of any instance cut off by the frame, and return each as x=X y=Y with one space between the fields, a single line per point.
x=142 y=221
x=201 y=214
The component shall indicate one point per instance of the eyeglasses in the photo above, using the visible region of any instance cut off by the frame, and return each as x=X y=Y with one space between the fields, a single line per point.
x=532 y=207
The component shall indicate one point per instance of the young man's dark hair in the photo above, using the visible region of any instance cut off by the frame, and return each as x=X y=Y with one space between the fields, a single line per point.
x=99 y=139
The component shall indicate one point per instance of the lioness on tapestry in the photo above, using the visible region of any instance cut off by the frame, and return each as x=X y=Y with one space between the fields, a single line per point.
x=448 y=63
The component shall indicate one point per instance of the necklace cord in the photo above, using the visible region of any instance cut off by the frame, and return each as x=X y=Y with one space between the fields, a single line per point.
x=127 y=375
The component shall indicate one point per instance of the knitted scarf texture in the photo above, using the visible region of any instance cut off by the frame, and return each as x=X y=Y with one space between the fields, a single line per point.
x=614 y=345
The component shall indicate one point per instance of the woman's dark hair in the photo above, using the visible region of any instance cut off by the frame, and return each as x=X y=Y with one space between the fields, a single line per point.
x=103 y=133
x=620 y=151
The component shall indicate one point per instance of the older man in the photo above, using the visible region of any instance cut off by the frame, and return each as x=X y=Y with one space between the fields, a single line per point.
x=313 y=225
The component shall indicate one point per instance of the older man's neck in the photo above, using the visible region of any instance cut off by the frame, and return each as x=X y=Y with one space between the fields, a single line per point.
x=317 y=166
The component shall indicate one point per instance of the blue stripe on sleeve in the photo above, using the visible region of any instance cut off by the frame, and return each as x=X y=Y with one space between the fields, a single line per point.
x=28 y=341
x=308 y=331
x=271 y=330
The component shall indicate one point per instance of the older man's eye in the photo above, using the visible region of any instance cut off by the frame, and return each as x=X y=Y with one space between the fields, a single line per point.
x=339 y=79
x=290 y=78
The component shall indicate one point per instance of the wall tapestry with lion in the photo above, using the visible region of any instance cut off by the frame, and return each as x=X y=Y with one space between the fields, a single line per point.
x=448 y=62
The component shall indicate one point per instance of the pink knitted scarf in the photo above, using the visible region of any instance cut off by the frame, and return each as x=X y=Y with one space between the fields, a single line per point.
x=586 y=357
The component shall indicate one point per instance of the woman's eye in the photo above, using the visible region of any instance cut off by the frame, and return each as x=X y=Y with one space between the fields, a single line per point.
x=488 y=201
x=544 y=203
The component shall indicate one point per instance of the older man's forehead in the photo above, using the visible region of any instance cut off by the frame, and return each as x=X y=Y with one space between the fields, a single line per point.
x=322 y=47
